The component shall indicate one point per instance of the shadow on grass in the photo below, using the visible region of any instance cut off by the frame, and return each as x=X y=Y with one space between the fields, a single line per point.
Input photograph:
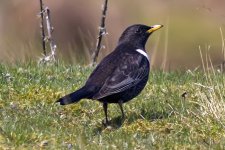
x=114 y=124
x=117 y=122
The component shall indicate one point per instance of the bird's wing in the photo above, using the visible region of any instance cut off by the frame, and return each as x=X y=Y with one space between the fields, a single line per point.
x=131 y=70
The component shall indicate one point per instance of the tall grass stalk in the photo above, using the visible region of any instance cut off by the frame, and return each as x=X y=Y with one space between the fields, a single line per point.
x=211 y=99
x=166 y=46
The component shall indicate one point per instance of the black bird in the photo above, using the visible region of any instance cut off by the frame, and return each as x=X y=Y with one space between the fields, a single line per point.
x=122 y=74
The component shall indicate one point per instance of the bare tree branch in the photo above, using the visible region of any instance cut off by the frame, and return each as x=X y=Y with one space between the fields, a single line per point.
x=46 y=24
x=50 y=30
x=42 y=27
x=102 y=31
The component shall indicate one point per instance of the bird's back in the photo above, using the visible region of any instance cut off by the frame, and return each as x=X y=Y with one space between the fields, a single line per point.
x=107 y=66
x=119 y=71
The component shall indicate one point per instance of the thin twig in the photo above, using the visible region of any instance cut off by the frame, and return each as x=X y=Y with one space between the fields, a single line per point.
x=223 y=50
x=42 y=27
x=164 y=63
x=102 y=31
x=45 y=14
x=50 y=30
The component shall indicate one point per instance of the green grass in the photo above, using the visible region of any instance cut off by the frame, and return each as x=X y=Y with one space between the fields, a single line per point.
x=159 y=118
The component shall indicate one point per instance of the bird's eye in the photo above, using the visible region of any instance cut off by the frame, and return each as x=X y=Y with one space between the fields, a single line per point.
x=138 y=30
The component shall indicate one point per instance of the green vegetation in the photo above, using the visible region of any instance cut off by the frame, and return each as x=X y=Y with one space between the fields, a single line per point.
x=159 y=118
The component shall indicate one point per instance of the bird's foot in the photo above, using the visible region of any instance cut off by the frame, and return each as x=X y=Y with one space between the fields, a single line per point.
x=106 y=122
x=123 y=118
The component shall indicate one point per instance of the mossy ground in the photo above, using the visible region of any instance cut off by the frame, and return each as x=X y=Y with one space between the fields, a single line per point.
x=159 y=118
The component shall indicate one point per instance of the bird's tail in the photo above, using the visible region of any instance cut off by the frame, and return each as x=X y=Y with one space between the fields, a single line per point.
x=73 y=97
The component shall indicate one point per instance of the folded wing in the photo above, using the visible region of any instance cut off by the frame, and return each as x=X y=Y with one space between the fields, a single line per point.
x=128 y=74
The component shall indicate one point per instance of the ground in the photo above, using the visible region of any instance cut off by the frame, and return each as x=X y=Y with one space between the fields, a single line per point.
x=176 y=110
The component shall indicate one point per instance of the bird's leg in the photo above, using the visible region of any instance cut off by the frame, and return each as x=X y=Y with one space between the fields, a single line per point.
x=105 y=106
x=121 y=108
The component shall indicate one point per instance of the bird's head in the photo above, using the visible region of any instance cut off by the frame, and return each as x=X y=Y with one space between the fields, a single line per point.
x=138 y=34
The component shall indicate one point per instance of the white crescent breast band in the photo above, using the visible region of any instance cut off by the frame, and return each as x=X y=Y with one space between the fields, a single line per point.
x=142 y=52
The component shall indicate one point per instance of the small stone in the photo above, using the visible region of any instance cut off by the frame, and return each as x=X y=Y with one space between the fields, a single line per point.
x=44 y=143
x=184 y=95
x=13 y=105
x=109 y=128
x=69 y=146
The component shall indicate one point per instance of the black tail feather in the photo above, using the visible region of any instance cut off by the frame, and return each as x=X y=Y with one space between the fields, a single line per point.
x=73 y=97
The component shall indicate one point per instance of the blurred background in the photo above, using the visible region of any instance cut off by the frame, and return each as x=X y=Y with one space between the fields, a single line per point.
x=188 y=25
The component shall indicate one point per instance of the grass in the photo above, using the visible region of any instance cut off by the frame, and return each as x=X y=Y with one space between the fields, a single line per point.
x=159 y=118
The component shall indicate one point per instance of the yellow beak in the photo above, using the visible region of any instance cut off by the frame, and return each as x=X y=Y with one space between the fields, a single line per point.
x=154 y=28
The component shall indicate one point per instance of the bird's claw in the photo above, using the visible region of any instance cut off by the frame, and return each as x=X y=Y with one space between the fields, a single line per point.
x=105 y=122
